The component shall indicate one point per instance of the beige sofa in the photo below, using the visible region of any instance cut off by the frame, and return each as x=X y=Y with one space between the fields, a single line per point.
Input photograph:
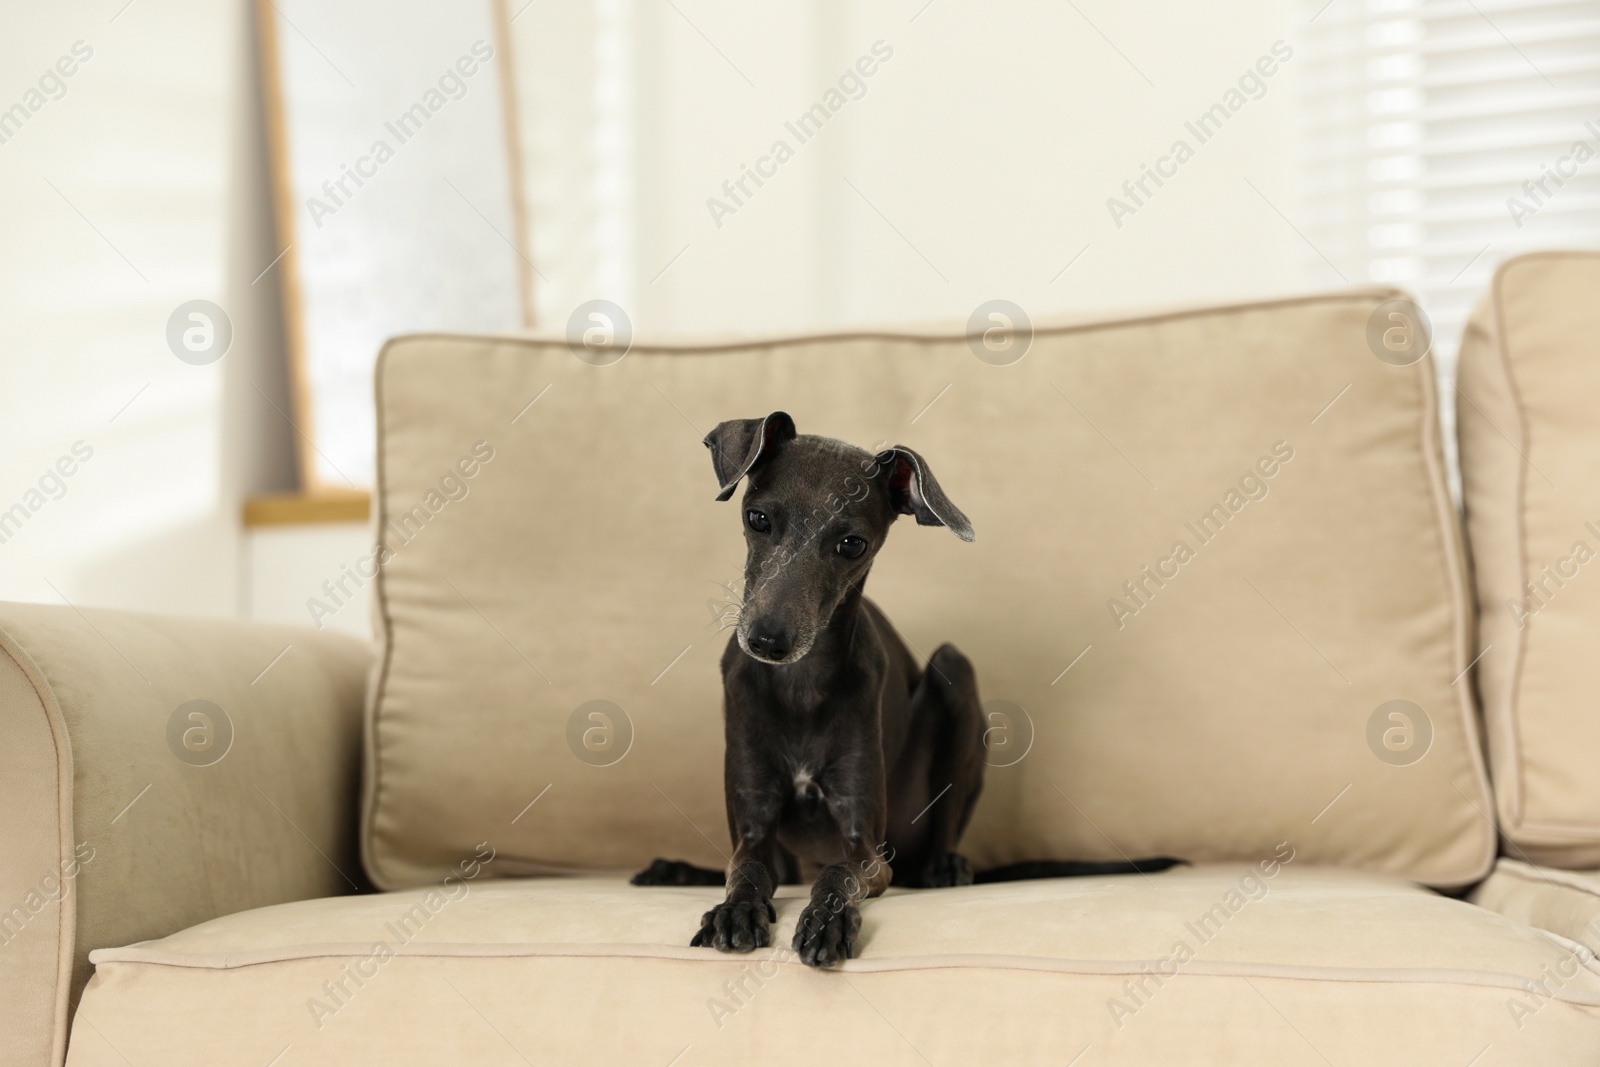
x=1221 y=605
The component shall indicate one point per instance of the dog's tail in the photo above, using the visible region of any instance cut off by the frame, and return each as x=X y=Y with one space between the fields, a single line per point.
x=1017 y=872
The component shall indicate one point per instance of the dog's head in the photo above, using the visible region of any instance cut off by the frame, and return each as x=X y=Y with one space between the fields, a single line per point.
x=815 y=513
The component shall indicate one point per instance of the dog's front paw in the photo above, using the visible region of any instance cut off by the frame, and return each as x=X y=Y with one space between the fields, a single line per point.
x=736 y=926
x=949 y=869
x=825 y=936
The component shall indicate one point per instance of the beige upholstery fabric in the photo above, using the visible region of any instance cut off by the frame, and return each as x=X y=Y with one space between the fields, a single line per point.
x=552 y=539
x=1530 y=458
x=1566 y=903
x=110 y=837
x=1234 y=964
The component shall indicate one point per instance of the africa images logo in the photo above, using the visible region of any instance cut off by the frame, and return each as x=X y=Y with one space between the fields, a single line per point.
x=852 y=85
x=1252 y=85
x=452 y=85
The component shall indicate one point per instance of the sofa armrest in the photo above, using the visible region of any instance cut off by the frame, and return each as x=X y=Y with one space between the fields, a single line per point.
x=1565 y=903
x=156 y=773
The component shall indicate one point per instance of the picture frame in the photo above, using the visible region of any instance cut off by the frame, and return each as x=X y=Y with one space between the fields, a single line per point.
x=397 y=196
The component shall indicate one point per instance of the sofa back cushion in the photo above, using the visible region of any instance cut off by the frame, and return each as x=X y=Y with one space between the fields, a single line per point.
x=1529 y=425
x=1214 y=549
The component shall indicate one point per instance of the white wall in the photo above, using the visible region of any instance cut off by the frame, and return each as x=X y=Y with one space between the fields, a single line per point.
x=977 y=164
x=310 y=575
x=140 y=188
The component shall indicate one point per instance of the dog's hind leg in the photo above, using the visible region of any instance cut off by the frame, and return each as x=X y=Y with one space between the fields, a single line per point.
x=680 y=872
x=947 y=722
x=677 y=872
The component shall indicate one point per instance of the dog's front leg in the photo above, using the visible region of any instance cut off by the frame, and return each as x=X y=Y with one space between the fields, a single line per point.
x=743 y=921
x=826 y=932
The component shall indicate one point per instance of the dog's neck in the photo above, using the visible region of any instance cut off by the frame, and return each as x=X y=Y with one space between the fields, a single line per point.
x=838 y=638
x=804 y=684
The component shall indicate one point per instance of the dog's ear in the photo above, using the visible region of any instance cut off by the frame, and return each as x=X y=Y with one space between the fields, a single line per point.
x=739 y=444
x=913 y=490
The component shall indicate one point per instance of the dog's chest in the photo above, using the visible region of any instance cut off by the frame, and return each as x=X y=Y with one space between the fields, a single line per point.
x=807 y=790
x=819 y=775
x=801 y=692
x=822 y=739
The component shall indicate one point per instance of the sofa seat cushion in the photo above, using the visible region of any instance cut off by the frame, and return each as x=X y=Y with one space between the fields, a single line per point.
x=1564 y=903
x=1208 y=964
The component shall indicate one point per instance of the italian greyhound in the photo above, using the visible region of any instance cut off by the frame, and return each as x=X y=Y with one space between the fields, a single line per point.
x=841 y=757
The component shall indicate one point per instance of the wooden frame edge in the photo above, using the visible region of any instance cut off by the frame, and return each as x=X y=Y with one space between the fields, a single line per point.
x=304 y=509
x=289 y=289
x=511 y=114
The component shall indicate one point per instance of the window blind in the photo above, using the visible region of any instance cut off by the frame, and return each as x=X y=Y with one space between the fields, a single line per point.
x=1441 y=137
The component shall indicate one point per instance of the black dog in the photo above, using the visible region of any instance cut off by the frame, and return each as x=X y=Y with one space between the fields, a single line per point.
x=841 y=754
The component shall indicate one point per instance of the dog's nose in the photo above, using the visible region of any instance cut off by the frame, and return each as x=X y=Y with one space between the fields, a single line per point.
x=769 y=644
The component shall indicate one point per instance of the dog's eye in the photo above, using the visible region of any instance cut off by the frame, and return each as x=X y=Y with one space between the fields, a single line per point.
x=758 y=521
x=851 y=547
